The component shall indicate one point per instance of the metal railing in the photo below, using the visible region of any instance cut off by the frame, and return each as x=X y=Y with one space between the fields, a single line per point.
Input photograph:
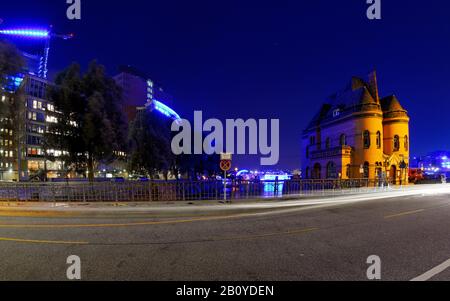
x=157 y=191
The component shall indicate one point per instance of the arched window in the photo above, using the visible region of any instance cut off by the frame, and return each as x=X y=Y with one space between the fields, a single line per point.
x=307 y=173
x=406 y=143
x=343 y=140
x=378 y=140
x=317 y=171
x=331 y=170
x=396 y=143
x=366 y=170
x=347 y=171
x=366 y=139
x=328 y=143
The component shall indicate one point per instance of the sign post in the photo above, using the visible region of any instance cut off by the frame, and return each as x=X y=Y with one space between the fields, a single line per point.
x=225 y=165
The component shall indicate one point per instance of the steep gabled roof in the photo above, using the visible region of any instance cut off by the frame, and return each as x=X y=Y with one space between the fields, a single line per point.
x=391 y=104
x=355 y=97
x=392 y=108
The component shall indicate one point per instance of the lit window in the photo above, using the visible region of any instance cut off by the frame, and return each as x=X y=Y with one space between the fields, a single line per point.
x=378 y=140
x=366 y=139
x=337 y=113
x=396 y=143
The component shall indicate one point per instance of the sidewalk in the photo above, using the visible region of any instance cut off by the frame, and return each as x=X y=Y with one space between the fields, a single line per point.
x=292 y=201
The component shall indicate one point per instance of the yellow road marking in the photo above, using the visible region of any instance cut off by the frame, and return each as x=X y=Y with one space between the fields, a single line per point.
x=53 y=242
x=23 y=213
x=404 y=214
x=249 y=237
x=166 y=222
x=290 y=232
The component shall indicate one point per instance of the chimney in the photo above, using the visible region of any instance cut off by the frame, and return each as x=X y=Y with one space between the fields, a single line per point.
x=373 y=85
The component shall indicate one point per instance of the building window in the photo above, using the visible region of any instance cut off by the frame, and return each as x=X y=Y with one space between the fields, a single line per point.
x=378 y=140
x=347 y=171
x=307 y=173
x=406 y=143
x=366 y=170
x=343 y=140
x=312 y=140
x=328 y=143
x=331 y=170
x=396 y=143
x=317 y=171
x=337 y=113
x=366 y=139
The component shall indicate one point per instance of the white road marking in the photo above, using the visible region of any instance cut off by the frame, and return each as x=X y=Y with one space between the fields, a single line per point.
x=433 y=272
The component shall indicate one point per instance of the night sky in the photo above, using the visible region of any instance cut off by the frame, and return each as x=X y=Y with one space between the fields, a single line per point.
x=264 y=59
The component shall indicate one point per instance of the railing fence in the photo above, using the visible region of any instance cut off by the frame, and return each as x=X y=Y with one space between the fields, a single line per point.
x=157 y=191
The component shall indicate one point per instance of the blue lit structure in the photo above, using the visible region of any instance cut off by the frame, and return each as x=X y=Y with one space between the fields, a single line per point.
x=434 y=163
x=28 y=33
x=165 y=110
x=241 y=172
x=13 y=83
x=37 y=34
x=139 y=91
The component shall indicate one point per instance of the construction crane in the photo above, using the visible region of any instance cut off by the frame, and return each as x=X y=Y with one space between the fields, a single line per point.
x=39 y=34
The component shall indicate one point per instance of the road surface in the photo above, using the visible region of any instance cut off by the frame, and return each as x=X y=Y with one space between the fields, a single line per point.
x=324 y=239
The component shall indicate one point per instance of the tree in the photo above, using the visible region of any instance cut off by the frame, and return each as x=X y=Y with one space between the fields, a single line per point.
x=196 y=166
x=104 y=125
x=11 y=61
x=149 y=139
x=91 y=125
x=66 y=134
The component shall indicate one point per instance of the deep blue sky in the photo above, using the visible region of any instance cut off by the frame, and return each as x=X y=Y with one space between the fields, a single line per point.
x=265 y=59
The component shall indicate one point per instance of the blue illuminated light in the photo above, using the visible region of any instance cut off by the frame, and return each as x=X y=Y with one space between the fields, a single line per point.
x=13 y=83
x=162 y=108
x=244 y=171
x=29 y=33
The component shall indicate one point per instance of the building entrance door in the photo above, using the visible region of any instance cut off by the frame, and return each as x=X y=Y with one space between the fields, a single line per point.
x=393 y=175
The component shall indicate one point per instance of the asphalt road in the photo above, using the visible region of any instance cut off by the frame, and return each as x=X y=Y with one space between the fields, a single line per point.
x=328 y=241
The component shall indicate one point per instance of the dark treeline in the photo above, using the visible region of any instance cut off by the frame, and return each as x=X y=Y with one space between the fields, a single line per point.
x=91 y=128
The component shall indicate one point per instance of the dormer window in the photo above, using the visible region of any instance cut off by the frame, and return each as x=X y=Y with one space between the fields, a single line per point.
x=336 y=113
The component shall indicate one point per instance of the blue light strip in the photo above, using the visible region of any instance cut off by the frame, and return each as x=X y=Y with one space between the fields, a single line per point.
x=162 y=108
x=29 y=33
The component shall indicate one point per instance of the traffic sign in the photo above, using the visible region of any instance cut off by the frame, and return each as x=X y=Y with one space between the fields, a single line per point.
x=225 y=165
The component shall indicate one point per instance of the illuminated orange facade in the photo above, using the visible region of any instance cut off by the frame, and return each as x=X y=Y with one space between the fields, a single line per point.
x=357 y=134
